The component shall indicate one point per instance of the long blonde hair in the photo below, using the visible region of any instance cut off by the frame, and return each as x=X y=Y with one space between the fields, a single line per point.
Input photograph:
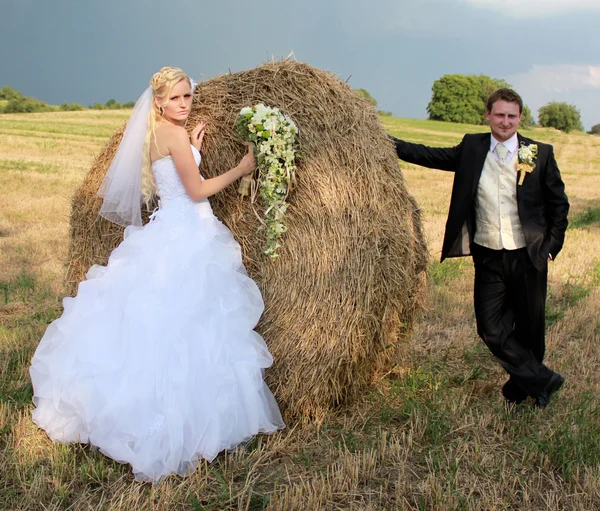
x=161 y=85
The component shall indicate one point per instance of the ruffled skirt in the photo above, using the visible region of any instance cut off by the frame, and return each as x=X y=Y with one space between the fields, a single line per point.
x=155 y=361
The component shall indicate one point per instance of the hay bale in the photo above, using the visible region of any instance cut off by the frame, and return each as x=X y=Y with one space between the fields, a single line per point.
x=346 y=285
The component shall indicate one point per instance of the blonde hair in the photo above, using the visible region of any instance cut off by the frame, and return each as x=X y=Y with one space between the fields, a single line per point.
x=161 y=85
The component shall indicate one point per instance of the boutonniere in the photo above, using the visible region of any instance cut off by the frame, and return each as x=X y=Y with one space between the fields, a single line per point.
x=527 y=156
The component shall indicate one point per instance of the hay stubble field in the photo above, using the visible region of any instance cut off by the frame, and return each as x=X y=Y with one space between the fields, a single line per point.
x=433 y=434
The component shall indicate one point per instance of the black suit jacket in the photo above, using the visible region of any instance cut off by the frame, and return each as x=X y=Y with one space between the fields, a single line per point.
x=542 y=203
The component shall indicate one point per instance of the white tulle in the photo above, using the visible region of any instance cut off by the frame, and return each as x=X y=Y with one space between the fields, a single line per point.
x=121 y=188
x=155 y=361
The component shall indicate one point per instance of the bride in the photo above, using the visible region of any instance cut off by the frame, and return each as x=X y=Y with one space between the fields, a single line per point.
x=155 y=361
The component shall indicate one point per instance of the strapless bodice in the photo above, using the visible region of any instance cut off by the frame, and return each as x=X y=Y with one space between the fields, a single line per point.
x=167 y=179
x=170 y=188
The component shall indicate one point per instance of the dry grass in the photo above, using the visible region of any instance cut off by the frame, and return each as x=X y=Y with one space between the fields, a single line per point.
x=39 y=171
x=432 y=434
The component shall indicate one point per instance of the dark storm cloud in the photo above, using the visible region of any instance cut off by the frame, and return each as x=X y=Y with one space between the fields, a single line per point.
x=67 y=50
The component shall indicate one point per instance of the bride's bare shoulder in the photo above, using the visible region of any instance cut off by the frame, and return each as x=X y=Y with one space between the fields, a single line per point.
x=166 y=136
x=169 y=131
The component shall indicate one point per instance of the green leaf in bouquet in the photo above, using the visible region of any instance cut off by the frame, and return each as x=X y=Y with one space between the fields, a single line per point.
x=273 y=134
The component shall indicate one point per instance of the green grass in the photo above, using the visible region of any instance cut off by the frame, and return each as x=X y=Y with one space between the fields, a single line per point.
x=28 y=166
x=589 y=217
x=573 y=443
x=56 y=138
x=36 y=306
x=20 y=287
x=44 y=127
x=394 y=123
x=421 y=397
x=566 y=296
x=450 y=269
x=595 y=275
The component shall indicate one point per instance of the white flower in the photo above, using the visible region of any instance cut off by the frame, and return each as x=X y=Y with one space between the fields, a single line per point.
x=275 y=161
x=528 y=153
x=525 y=153
x=271 y=124
x=527 y=156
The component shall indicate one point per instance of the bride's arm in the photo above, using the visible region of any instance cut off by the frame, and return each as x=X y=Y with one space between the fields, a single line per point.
x=179 y=147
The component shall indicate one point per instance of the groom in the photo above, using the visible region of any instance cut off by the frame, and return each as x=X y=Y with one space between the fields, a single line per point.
x=512 y=229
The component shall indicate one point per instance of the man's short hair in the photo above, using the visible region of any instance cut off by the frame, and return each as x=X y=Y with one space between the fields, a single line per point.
x=508 y=95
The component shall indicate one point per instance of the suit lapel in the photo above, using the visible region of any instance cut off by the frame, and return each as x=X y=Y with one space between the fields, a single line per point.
x=522 y=141
x=480 y=152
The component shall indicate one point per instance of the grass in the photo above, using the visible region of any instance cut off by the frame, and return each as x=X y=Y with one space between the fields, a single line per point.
x=441 y=273
x=586 y=218
x=434 y=434
x=24 y=166
x=56 y=128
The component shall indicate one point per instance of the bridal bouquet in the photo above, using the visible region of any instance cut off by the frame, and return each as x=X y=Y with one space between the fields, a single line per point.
x=273 y=135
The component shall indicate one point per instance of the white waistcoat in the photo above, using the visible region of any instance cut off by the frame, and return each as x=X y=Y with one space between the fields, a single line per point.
x=496 y=214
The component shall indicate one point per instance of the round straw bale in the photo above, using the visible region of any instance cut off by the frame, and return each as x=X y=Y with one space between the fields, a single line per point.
x=344 y=291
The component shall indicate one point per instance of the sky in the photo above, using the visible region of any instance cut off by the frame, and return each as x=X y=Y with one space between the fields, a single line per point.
x=84 y=52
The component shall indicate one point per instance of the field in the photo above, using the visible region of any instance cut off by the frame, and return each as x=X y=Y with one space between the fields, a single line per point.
x=434 y=434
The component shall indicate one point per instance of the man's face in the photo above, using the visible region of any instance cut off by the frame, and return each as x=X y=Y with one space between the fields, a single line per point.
x=504 y=119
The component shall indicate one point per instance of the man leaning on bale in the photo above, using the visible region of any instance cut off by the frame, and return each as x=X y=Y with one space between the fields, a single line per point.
x=509 y=211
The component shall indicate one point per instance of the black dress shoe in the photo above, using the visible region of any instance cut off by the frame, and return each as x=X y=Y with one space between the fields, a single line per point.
x=555 y=383
x=513 y=393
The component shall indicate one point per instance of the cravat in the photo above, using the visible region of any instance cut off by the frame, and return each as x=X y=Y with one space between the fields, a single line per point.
x=501 y=151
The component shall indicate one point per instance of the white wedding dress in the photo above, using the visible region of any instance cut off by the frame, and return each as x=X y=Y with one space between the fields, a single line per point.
x=155 y=361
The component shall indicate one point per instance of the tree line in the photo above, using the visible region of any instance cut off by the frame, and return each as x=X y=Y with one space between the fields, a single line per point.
x=463 y=98
x=455 y=98
x=14 y=102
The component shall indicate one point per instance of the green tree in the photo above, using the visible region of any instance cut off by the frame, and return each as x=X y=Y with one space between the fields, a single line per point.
x=527 y=120
x=487 y=86
x=8 y=93
x=561 y=116
x=595 y=130
x=70 y=107
x=17 y=103
x=25 y=104
x=363 y=93
x=112 y=104
x=463 y=98
x=455 y=98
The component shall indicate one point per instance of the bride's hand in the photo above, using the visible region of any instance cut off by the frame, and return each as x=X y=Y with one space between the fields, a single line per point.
x=198 y=135
x=248 y=163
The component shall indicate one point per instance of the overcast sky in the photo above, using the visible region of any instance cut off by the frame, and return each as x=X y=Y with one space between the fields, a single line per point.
x=87 y=51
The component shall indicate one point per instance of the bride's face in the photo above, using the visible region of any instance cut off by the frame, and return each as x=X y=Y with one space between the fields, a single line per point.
x=179 y=103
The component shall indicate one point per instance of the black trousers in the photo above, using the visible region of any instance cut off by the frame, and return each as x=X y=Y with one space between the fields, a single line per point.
x=510 y=302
